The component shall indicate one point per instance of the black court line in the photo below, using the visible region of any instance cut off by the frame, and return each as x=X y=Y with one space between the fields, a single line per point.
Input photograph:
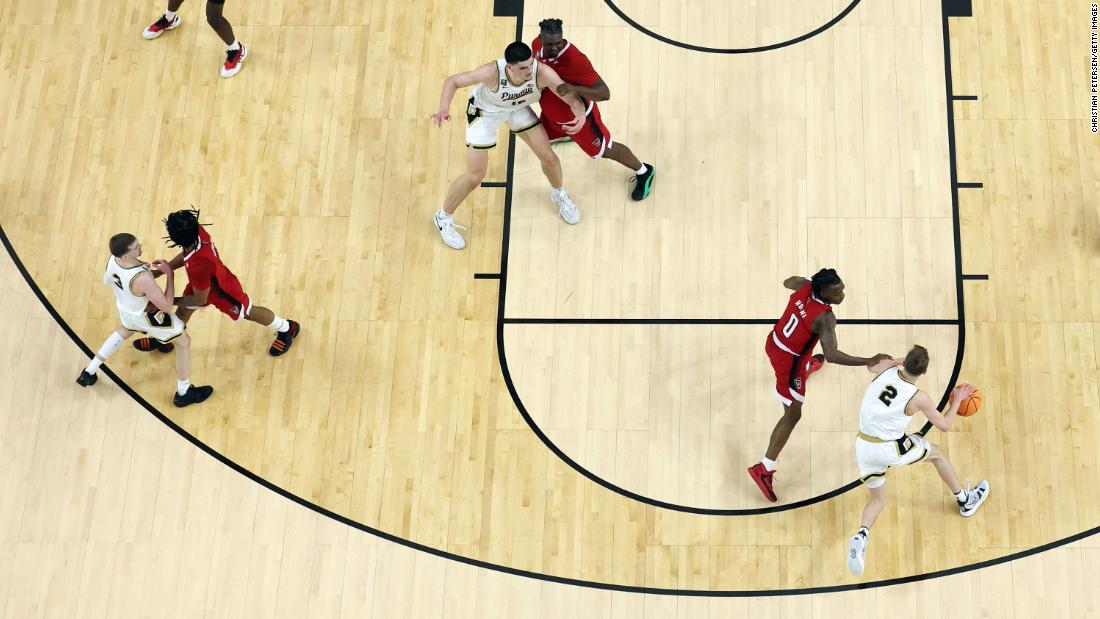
x=976 y=276
x=968 y=185
x=719 y=321
x=730 y=50
x=486 y=275
x=504 y=569
x=494 y=184
x=964 y=97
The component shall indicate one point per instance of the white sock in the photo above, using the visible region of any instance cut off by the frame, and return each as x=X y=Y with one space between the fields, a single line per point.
x=182 y=386
x=235 y=45
x=768 y=464
x=642 y=170
x=280 y=325
x=442 y=214
x=169 y=15
x=109 y=347
x=559 y=190
x=863 y=531
x=961 y=496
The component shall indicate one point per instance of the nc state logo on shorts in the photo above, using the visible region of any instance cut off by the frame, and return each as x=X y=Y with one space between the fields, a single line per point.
x=797 y=383
x=236 y=310
x=596 y=142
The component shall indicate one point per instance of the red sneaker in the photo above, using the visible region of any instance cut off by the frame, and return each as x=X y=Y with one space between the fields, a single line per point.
x=234 y=58
x=160 y=26
x=763 y=479
x=148 y=344
x=815 y=364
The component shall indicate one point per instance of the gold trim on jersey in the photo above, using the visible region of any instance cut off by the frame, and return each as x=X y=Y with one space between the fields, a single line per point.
x=528 y=127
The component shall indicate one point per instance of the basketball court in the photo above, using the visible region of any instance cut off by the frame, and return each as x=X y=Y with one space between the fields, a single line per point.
x=556 y=419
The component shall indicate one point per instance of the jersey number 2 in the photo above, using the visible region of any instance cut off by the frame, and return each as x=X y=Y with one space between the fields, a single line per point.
x=888 y=394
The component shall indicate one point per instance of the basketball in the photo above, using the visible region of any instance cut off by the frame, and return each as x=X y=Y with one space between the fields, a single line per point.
x=971 y=404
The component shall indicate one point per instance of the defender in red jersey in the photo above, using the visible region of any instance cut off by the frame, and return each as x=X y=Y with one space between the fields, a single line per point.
x=210 y=282
x=581 y=79
x=807 y=320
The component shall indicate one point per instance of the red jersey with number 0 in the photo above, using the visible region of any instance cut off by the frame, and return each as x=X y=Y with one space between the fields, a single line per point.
x=573 y=67
x=793 y=331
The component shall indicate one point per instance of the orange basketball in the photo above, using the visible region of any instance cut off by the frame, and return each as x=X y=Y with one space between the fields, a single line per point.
x=971 y=404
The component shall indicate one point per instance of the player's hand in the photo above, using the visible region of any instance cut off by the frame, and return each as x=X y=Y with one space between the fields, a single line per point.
x=879 y=357
x=961 y=392
x=162 y=266
x=573 y=127
x=564 y=89
x=440 y=116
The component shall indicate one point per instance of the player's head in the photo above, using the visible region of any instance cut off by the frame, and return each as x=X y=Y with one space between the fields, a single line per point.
x=125 y=245
x=518 y=55
x=553 y=41
x=828 y=286
x=916 y=362
x=183 y=228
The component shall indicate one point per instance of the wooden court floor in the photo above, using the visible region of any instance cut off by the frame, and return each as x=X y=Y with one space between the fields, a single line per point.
x=587 y=416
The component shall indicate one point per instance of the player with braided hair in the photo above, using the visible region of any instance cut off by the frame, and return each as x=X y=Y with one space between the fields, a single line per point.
x=808 y=319
x=210 y=282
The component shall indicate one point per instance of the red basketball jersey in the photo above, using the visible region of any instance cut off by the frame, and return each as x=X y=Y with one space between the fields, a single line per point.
x=793 y=331
x=572 y=67
x=205 y=268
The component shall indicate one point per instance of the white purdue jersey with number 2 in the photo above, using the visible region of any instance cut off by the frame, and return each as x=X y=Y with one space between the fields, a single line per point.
x=135 y=312
x=882 y=413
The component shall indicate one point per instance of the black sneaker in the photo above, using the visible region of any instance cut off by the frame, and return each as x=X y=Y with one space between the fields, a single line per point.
x=148 y=344
x=85 y=379
x=284 y=340
x=194 y=395
x=643 y=183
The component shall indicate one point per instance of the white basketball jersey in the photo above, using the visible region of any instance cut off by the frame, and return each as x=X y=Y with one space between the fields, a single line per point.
x=882 y=413
x=119 y=278
x=507 y=96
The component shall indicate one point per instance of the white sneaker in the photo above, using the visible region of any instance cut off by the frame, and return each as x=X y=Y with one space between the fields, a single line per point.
x=448 y=230
x=234 y=60
x=566 y=208
x=974 y=498
x=857 y=552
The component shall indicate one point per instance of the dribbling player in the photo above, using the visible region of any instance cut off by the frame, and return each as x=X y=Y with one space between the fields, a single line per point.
x=888 y=406
x=142 y=307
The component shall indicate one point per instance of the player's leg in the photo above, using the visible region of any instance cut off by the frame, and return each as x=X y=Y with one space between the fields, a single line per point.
x=88 y=376
x=536 y=140
x=644 y=173
x=186 y=393
x=968 y=499
x=477 y=162
x=235 y=51
x=285 y=329
x=792 y=413
x=876 y=501
x=167 y=21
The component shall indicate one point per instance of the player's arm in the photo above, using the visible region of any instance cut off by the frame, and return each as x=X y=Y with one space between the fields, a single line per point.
x=884 y=365
x=825 y=327
x=485 y=74
x=548 y=78
x=174 y=263
x=144 y=284
x=795 y=282
x=596 y=92
x=943 y=421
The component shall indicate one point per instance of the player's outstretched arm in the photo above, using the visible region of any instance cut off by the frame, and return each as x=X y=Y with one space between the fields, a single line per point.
x=795 y=282
x=548 y=78
x=825 y=326
x=175 y=263
x=485 y=74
